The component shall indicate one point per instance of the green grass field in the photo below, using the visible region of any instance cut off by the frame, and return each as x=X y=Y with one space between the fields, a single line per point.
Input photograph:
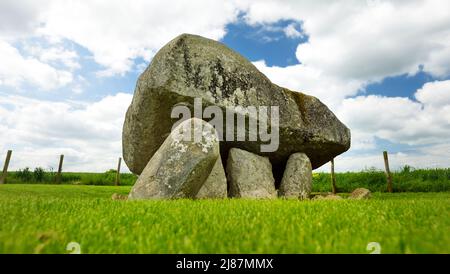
x=45 y=218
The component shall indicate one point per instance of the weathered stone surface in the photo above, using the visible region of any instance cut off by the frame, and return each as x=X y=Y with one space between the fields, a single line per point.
x=250 y=175
x=180 y=167
x=191 y=67
x=297 y=177
x=216 y=184
x=360 y=193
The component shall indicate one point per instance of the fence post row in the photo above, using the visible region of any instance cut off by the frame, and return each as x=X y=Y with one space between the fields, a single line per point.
x=58 y=177
x=5 y=167
x=117 y=180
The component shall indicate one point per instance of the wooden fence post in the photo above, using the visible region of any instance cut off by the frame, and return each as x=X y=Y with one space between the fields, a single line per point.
x=5 y=167
x=333 y=178
x=58 y=175
x=388 y=173
x=118 y=173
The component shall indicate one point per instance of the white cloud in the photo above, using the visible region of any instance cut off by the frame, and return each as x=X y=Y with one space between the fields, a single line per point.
x=362 y=140
x=367 y=42
x=89 y=134
x=291 y=32
x=79 y=84
x=435 y=93
x=17 y=70
x=20 y=18
x=55 y=55
x=357 y=40
x=117 y=33
x=398 y=120
x=425 y=125
x=355 y=43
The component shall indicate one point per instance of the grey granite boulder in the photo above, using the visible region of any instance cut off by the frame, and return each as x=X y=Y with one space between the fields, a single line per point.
x=360 y=194
x=191 y=67
x=250 y=175
x=180 y=166
x=297 y=177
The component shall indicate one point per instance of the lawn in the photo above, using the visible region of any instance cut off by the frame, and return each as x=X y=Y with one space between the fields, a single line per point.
x=45 y=218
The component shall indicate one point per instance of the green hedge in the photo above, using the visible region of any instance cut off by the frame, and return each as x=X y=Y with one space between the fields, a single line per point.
x=406 y=180
x=39 y=176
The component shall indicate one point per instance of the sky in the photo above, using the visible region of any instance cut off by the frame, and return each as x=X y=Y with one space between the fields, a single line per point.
x=68 y=71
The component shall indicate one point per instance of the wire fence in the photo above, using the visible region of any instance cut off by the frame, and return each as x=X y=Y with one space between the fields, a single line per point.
x=58 y=175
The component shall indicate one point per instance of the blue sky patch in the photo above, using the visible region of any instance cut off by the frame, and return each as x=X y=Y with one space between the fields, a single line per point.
x=265 y=41
x=400 y=86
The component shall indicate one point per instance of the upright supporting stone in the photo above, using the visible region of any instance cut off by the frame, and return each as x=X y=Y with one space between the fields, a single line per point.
x=215 y=186
x=181 y=165
x=297 y=177
x=5 y=167
x=250 y=175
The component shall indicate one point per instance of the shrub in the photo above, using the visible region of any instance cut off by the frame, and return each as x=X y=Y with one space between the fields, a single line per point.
x=39 y=174
x=24 y=175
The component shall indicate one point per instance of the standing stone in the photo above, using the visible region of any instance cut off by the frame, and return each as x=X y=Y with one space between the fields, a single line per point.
x=216 y=184
x=250 y=175
x=360 y=193
x=297 y=177
x=181 y=165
